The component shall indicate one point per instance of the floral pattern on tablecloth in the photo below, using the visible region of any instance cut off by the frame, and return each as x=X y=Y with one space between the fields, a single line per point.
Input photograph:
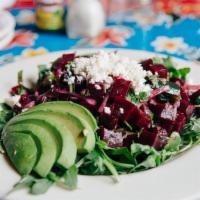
x=163 y=33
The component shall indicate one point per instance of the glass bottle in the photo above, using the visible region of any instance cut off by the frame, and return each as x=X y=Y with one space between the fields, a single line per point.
x=50 y=14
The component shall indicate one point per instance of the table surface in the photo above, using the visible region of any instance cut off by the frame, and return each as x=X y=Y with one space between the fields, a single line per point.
x=163 y=33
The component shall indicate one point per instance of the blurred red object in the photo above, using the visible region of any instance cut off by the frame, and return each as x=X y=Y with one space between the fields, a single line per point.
x=179 y=7
x=24 y=4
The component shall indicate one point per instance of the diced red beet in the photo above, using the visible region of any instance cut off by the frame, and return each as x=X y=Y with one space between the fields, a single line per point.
x=15 y=90
x=129 y=138
x=167 y=117
x=156 y=137
x=169 y=112
x=155 y=106
x=29 y=105
x=113 y=139
x=132 y=114
x=142 y=121
x=58 y=73
x=89 y=103
x=178 y=81
x=103 y=104
x=194 y=96
x=184 y=95
x=158 y=91
x=147 y=63
x=189 y=111
x=161 y=70
x=67 y=58
x=130 y=110
x=25 y=99
x=120 y=87
x=186 y=108
x=41 y=99
x=96 y=90
x=144 y=107
x=109 y=121
x=180 y=122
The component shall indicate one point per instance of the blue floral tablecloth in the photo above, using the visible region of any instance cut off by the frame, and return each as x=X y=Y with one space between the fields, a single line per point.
x=163 y=33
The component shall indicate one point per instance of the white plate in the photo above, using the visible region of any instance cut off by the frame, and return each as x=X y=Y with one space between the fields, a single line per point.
x=6 y=40
x=176 y=180
x=7 y=24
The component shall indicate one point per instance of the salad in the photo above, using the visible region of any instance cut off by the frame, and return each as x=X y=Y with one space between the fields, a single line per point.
x=98 y=114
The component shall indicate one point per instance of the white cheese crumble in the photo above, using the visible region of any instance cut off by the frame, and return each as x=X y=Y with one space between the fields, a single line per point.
x=98 y=87
x=101 y=67
x=121 y=110
x=11 y=101
x=107 y=110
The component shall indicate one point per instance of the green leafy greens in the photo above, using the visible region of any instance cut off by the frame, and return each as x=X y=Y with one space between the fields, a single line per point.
x=174 y=72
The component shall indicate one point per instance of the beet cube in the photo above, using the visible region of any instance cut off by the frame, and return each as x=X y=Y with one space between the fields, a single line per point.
x=146 y=64
x=130 y=110
x=155 y=106
x=132 y=114
x=67 y=58
x=120 y=87
x=184 y=95
x=186 y=108
x=161 y=70
x=144 y=107
x=96 y=90
x=178 y=81
x=169 y=112
x=113 y=139
x=180 y=122
x=89 y=103
x=156 y=137
x=142 y=120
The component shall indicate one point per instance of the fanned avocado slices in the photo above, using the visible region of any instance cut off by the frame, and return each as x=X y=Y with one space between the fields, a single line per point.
x=68 y=106
x=22 y=151
x=69 y=150
x=80 y=112
x=49 y=134
x=47 y=140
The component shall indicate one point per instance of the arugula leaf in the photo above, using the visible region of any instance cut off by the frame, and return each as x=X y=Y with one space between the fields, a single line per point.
x=174 y=73
x=6 y=114
x=136 y=99
x=123 y=154
x=40 y=186
x=174 y=142
x=25 y=182
x=151 y=157
x=71 y=177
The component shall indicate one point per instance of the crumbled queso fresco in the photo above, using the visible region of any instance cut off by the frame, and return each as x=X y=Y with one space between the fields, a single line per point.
x=102 y=66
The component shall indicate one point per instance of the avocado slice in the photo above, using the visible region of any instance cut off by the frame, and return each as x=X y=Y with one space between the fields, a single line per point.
x=46 y=140
x=71 y=107
x=69 y=150
x=72 y=123
x=21 y=150
x=79 y=111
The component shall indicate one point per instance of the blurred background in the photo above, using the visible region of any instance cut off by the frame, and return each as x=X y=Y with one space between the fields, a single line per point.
x=35 y=27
